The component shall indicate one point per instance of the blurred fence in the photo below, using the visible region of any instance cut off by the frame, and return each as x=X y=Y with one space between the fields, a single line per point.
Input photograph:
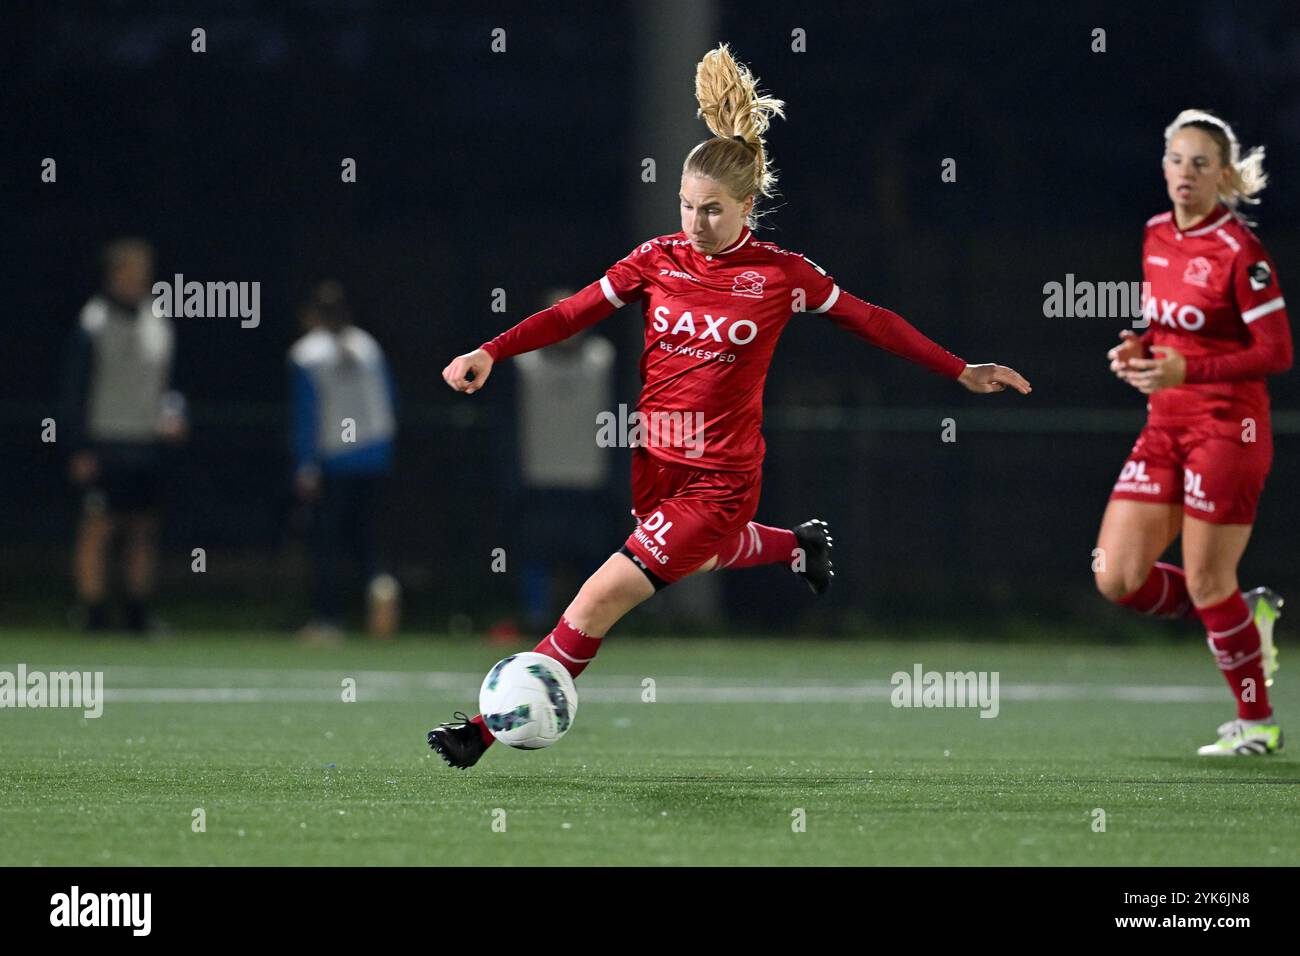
x=999 y=523
x=522 y=171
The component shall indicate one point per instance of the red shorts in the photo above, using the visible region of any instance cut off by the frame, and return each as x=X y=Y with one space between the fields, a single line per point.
x=1217 y=478
x=684 y=514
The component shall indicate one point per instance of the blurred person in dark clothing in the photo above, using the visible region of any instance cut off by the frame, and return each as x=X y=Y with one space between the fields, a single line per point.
x=118 y=414
x=343 y=428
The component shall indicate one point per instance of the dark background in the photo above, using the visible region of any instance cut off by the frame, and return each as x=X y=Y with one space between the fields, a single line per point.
x=522 y=171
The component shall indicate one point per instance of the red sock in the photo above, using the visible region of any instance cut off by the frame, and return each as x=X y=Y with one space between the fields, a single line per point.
x=482 y=729
x=757 y=544
x=573 y=648
x=1234 y=640
x=1163 y=594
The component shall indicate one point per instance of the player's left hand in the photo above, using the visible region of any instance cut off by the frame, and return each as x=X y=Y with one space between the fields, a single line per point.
x=1166 y=369
x=469 y=372
x=993 y=378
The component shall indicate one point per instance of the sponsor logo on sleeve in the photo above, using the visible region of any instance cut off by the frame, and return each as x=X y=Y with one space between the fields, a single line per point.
x=1260 y=276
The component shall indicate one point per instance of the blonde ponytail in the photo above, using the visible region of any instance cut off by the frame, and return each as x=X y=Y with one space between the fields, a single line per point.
x=738 y=114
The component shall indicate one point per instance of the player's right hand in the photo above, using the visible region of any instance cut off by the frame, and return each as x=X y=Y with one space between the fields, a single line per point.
x=469 y=372
x=1130 y=347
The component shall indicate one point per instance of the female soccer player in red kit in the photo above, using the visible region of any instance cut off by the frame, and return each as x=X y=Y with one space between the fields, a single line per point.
x=1218 y=327
x=714 y=300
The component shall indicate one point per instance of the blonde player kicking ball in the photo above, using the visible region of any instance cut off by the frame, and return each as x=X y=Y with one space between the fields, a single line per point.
x=715 y=300
x=1218 y=327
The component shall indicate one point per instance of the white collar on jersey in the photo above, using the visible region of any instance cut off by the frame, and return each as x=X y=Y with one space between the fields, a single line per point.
x=745 y=236
x=1207 y=229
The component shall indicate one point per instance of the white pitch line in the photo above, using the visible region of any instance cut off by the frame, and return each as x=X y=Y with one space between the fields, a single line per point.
x=413 y=688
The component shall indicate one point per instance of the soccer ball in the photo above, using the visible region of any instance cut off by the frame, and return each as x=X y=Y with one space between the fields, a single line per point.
x=528 y=701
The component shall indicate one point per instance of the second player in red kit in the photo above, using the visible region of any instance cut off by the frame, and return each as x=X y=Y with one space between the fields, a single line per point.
x=1216 y=328
x=714 y=300
x=1214 y=298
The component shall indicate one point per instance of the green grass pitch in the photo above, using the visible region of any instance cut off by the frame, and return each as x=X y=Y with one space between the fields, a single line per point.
x=741 y=736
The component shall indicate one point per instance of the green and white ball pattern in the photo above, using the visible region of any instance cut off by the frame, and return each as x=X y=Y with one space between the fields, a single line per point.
x=528 y=701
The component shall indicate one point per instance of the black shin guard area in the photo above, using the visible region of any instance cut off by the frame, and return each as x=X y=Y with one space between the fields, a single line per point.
x=657 y=582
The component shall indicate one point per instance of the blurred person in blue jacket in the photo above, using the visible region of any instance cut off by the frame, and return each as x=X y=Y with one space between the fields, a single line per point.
x=343 y=428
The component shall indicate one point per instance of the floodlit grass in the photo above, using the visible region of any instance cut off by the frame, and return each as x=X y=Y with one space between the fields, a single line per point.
x=741 y=736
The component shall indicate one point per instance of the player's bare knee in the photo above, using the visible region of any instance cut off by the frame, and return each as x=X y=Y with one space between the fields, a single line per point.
x=1110 y=585
x=1207 y=588
x=1117 y=583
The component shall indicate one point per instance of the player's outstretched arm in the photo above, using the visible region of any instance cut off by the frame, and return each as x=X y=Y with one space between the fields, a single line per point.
x=993 y=378
x=469 y=372
x=890 y=331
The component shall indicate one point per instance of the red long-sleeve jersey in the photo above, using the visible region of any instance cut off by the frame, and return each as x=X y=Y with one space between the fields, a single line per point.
x=711 y=325
x=1214 y=296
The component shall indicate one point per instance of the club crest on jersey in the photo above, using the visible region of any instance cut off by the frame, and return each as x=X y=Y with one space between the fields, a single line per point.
x=1260 y=276
x=749 y=284
x=1198 y=272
